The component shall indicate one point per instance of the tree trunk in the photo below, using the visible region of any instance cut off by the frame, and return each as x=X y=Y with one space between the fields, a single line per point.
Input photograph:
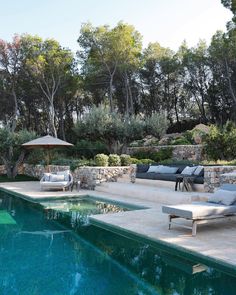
x=111 y=93
x=15 y=115
x=53 y=130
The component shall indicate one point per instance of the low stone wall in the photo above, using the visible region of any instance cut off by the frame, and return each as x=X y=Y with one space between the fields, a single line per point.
x=38 y=170
x=89 y=177
x=180 y=152
x=214 y=176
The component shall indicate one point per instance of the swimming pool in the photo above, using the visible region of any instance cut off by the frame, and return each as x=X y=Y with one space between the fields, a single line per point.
x=46 y=250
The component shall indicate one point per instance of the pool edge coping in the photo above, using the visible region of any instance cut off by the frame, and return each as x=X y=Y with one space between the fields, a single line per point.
x=166 y=246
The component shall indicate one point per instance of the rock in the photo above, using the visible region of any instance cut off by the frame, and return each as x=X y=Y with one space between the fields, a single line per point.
x=199 y=131
x=167 y=138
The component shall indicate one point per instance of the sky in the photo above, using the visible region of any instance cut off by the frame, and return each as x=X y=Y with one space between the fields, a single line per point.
x=168 y=22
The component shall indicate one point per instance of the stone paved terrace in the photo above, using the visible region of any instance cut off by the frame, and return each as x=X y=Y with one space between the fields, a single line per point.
x=211 y=241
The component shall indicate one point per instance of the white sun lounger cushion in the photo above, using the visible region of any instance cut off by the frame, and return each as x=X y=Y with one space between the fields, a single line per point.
x=199 y=210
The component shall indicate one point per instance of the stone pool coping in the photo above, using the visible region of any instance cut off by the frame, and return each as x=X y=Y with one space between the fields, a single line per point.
x=214 y=244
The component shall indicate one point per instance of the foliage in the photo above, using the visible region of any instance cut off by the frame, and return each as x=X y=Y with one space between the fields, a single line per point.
x=101 y=160
x=162 y=154
x=73 y=163
x=125 y=160
x=87 y=149
x=142 y=161
x=220 y=142
x=114 y=160
x=116 y=131
x=11 y=152
x=180 y=141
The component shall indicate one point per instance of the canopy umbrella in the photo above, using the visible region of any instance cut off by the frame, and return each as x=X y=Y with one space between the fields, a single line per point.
x=46 y=142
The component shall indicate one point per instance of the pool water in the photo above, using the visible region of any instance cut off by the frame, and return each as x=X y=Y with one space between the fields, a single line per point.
x=45 y=251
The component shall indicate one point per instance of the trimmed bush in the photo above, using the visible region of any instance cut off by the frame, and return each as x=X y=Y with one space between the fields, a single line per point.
x=141 y=161
x=125 y=160
x=101 y=160
x=114 y=160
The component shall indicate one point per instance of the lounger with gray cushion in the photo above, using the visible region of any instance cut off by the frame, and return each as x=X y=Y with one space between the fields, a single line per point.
x=56 y=181
x=222 y=204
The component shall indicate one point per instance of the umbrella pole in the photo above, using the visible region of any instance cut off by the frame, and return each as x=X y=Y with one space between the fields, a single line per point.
x=48 y=160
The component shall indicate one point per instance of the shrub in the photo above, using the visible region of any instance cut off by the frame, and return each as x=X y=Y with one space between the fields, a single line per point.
x=162 y=154
x=114 y=160
x=180 y=141
x=146 y=161
x=87 y=149
x=141 y=161
x=220 y=142
x=134 y=161
x=125 y=160
x=101 y=160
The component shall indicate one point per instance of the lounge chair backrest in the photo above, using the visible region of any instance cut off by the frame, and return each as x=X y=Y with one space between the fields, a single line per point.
x=228 y=187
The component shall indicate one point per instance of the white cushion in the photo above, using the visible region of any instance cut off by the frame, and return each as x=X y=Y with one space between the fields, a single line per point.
x=57 y=178
x=223 y=197
x=154 y=168
x=56 y=184
x=189 y=170
x=198 y=170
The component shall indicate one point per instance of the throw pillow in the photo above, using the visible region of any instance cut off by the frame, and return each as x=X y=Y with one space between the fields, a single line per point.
x=142 y=168
x=167 y=170
x=223 y=197
x=46 y=176
x=198 y=171
x=65 y=174
x=188 y=170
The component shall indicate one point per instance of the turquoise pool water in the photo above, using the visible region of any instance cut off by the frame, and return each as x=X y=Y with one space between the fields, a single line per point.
x=48 y=250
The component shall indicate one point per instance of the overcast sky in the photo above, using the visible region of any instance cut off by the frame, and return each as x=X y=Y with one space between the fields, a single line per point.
x=167 y=21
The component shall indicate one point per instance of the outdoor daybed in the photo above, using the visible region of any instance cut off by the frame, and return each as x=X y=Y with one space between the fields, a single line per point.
x=221 y=204
x=59 y=180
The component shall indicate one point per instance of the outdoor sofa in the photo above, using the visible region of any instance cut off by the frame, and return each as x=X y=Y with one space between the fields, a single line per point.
x=167 y=173
x=57 y=181
x=221 y=204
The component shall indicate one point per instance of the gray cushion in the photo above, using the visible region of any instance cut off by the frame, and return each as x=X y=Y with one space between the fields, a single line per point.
x=189 y=170
x=199 y=210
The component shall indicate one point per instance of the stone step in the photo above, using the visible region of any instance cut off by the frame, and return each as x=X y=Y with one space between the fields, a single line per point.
x=150 y=193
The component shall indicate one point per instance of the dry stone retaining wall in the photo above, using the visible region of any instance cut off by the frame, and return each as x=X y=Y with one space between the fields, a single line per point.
x=180 y=152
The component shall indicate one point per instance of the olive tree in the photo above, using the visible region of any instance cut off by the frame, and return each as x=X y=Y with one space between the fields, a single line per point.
x=11 y=152
x=116 y=131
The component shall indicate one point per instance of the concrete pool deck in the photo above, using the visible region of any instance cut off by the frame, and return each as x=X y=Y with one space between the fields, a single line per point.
x=215 y=241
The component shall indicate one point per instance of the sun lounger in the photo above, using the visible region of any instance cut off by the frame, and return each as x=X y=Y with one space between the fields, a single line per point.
x=200 y=212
